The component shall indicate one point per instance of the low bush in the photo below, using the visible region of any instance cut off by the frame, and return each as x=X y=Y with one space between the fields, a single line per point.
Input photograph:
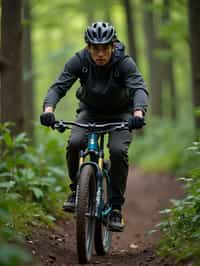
x=180 y=224
x=32 y=188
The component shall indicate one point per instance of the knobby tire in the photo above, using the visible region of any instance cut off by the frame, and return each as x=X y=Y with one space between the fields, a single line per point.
x=85 y=220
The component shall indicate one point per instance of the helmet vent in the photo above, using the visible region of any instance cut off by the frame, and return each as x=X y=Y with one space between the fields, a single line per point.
x=90 y=35
x=99 y=32
x=104 y=34
x=94 y=34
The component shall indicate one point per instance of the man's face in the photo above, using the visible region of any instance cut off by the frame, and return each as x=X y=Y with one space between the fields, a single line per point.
x=101 y=53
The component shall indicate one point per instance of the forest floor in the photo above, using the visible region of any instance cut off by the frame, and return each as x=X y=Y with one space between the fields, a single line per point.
x=146 y=194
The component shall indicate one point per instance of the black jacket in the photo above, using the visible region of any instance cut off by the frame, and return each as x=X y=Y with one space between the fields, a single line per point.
x=114 y=88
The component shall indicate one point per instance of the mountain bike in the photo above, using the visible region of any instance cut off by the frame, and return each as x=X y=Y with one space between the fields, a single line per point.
x=93 y=191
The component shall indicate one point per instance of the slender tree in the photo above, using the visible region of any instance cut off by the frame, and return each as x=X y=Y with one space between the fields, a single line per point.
x=12 y=92
x=155 y=67
x=4 y=63
x=28 y=78
x=129 y=12
x=168 y=76
x=194 y=26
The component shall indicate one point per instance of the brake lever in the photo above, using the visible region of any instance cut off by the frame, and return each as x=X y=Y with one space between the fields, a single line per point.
x=53 y=126
x=60 y=126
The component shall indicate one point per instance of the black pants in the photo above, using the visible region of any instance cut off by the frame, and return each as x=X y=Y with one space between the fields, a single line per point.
x=118 y=144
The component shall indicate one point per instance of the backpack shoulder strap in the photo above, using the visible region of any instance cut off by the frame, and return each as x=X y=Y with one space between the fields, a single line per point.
x=84 y=63
x=117 y=70
x=120 y=52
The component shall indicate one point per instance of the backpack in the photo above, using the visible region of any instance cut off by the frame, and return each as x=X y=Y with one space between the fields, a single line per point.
x=119 y=51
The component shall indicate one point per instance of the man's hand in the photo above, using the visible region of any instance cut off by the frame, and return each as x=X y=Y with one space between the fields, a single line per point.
x=47 y=119
x=138 y=113
x=137 y=121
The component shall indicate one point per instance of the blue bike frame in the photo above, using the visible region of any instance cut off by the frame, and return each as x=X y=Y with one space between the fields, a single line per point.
x=96 y=153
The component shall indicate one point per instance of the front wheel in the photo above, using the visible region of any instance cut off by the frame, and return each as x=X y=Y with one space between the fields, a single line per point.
x=103 y=237
x=85 y=213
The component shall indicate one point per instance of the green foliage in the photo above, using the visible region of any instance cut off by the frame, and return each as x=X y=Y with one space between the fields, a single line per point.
x=197 y=111
x=10 y=254
x=180 y=224
x=164 y=146
x=158 y=149
x=24 y=173
x=31 y=190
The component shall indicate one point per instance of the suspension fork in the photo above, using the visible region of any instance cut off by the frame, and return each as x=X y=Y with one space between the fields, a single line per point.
x=99 y=195
x=81 y=158
x=101 y=152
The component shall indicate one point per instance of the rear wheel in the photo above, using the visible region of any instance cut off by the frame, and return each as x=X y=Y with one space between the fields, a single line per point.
x=103 y=237
x=85 y=218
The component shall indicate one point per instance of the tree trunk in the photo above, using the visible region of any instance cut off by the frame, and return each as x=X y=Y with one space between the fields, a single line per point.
x=194 y=26
x=12 y=91
x=4 y=63
x=168 y=64
x=155 y=68
x=129 y=12
x=173 y=97
x=28 y=78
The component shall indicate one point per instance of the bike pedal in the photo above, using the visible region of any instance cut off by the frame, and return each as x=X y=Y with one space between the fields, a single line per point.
x=115 y=229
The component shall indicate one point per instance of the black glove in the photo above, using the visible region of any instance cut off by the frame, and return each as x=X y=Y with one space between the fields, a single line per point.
x=47 y=119
x=136 y=122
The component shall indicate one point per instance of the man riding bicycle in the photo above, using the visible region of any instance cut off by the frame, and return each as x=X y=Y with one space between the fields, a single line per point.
x=111 y=90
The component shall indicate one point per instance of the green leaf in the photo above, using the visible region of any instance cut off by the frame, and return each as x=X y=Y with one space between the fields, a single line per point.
x=165 y=211
x=13 y=196
x=195 y=173
x=38 y=193
x=6 y=174
x=58 y=188
x=21 y=138
x=8 y=185
x=51 y=217
x=151 y=232
x=8 y=140
x=48 y=180
x=196 y=218
x=192 y=148
x=57 y=171
x=197 y=111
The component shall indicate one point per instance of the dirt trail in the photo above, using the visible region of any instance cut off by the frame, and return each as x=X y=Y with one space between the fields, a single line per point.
x=145 y=196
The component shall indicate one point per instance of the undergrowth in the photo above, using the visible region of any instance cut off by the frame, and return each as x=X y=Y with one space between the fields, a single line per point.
x=168 y=148
x=32 y=187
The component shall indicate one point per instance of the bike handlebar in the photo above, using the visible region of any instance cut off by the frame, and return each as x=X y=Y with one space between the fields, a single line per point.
x=61 y=126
